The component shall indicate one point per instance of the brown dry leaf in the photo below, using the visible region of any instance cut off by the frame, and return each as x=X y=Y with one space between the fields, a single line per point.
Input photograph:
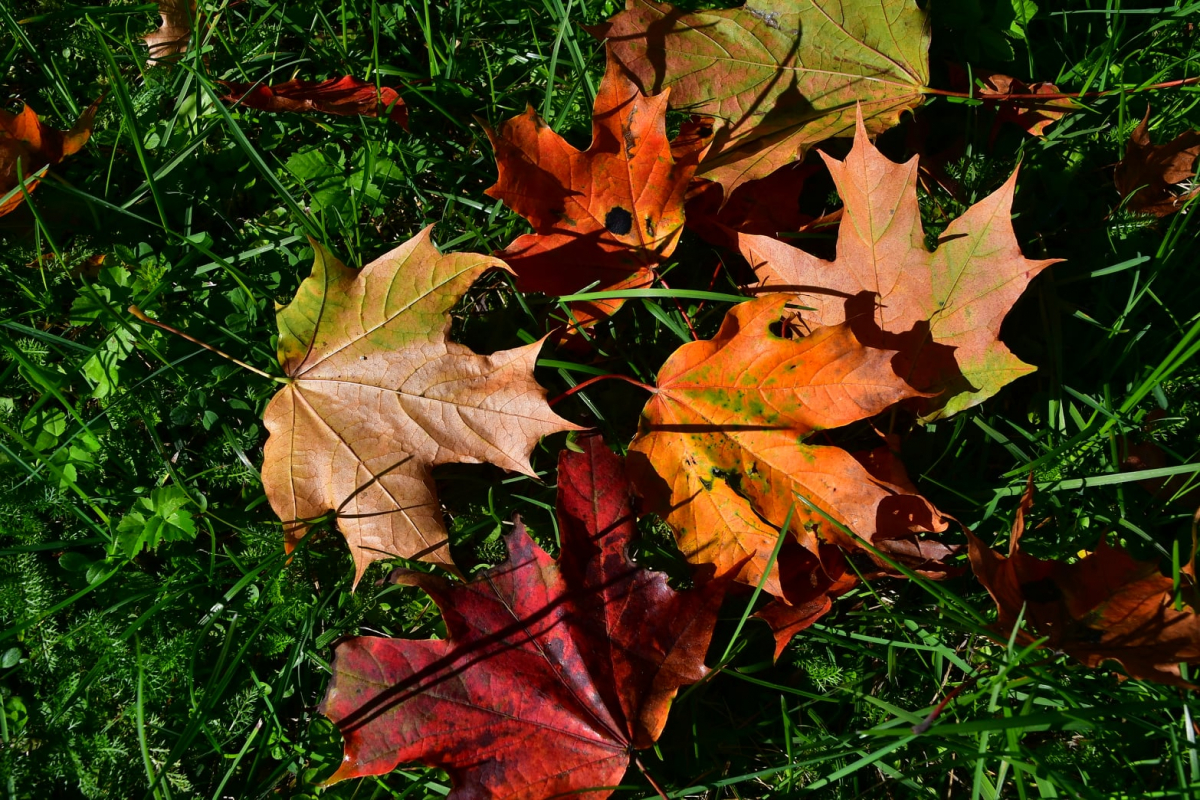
x=1030 y=114
x=1149 y=172
x=1104 y=607
x=604 y=217
x=942 y=310
x=27 y=145
x=378 y=396
x=345 y=96
x=722 y=455
x=174 y=32
x=780 y=76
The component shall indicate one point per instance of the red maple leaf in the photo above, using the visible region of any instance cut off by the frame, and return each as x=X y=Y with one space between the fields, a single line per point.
x=552 y=671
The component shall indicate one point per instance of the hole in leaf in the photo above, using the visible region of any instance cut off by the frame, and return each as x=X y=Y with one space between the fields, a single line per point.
x=618 y=221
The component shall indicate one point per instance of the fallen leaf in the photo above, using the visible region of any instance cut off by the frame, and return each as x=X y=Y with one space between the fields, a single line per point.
x=1030 y=114
x=1148 y=173
x=942 y=310
x=722 y=454
x=1180 y=490
x=174 y=32
x=378 y=396
x=27 y=145
x=1104 y=607
x=780 y=76
x=345 y=96
x=551 y=672
x=604 y=217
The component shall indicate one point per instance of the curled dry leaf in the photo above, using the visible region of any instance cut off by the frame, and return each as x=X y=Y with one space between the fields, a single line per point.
x=1030 y=114
x=780 y=76
x=1104 y=607
x=27 y=145
x=346 y=96
x=941 y=311
x=722 y=455
x=604 y=217
x=174 y=31
x=551 y=673
x=1149 y=172
x=378 y=396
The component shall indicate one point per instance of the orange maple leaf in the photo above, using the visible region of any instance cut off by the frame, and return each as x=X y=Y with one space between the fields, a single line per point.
x=722 y=455
x=603 y=217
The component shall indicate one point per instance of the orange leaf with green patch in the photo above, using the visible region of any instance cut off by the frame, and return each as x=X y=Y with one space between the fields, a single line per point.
x=723 y=455
x=378 y=396
x=942 y=310
x=604 y=217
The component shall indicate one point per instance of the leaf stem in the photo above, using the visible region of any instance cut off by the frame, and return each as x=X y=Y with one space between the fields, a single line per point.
x=1000 y=98
x=679 y=307
x=658 y=789
x=581 y=386
x=141 y=315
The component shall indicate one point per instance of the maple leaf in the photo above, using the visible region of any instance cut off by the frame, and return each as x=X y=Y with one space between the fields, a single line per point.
x=174 y=32
x=551 y=672
x=27 y=145
x=1148 y=172
x=940 y=310
x=1106 y=606
x=781 y=76
x=605 y=216
x=378 y=396
x=721 y=453
x=345 y=96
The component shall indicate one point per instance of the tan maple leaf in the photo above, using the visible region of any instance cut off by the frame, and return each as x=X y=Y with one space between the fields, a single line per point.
x=174 y=33
x=379 y=395
x=940 y=310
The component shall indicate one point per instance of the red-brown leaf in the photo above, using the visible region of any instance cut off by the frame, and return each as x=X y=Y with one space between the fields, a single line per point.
x=1149 y=172
x=1104 y=607
x=551 y=672
x=346 y=96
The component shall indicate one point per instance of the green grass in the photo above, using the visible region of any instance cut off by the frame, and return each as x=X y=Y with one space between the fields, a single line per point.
x=190 y=664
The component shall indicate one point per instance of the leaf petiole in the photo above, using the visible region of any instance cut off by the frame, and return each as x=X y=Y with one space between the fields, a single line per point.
x=141 y=315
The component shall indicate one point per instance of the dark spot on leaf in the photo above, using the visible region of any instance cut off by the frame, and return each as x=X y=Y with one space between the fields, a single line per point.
x=1044 y=590
x=618 y=221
